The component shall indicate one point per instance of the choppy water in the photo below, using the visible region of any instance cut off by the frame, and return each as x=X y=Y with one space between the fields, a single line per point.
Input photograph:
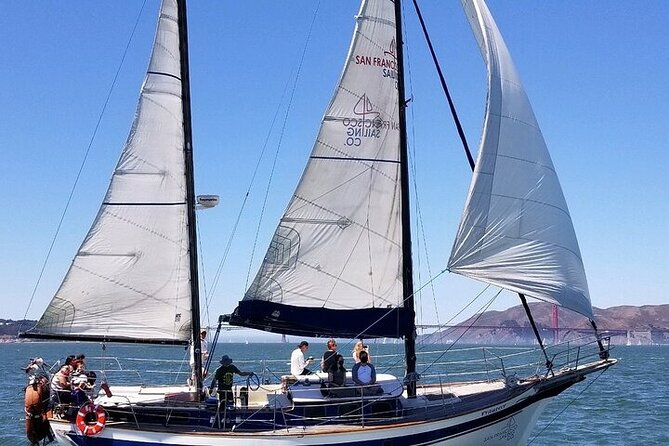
x=627 y=405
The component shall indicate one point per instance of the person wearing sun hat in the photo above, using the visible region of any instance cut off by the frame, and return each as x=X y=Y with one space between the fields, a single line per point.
x=224 y=376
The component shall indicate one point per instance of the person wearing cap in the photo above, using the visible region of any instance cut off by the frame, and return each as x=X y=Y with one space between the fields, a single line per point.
x=298 y=365
x=224 y=376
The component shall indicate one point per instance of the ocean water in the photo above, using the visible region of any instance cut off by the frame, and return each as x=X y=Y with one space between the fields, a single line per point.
x=627 y=405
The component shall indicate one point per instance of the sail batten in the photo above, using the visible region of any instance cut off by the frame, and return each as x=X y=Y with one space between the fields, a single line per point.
x=516 y=231
x=130 y=279
x=338 y=249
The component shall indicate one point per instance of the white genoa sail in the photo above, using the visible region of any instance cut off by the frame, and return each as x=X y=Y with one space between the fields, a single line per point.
x=130 y=278
x=334 y=262
x=516 y=231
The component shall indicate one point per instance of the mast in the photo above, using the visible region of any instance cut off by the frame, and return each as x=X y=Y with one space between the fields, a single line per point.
x=407 y=262
x=190 y=193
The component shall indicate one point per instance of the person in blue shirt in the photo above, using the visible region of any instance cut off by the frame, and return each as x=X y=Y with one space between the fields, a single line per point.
x=364 y=373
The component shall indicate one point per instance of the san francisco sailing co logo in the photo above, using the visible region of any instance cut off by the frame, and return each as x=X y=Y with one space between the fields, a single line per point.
x=366 y=125
x=387 y=63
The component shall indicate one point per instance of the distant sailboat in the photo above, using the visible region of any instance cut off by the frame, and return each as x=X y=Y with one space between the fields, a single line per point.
x=339 y=264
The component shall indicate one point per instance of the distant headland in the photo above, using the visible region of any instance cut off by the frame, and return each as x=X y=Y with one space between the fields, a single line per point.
x=626 y=324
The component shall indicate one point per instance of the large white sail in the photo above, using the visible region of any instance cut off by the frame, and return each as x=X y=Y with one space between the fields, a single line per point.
x=516 y=231
x=130 y=277
x=338 y=245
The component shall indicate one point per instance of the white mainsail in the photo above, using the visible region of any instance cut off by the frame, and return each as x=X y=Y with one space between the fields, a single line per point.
x=338 y=245
x=130 y=278
x=516 y=231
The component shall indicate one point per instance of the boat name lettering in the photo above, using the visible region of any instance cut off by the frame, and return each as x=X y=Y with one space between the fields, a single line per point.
x=493 y=410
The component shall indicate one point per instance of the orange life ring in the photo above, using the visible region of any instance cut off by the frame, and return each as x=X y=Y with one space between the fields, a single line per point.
x=91 y=419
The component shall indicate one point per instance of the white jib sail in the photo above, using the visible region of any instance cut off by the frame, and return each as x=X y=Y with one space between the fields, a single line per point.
x=130 y=277
x=516 y=231
x=338 y=244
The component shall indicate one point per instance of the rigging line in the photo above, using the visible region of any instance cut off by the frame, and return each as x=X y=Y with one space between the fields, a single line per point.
x=421 y=230
x=451 y=105
x=414 y=182
x=278 y=147
x=83 y=163
x=448 y=322
x=567 y=406
x=482 y=310
x=228 y=245
x=390 y=310
x=201 y=270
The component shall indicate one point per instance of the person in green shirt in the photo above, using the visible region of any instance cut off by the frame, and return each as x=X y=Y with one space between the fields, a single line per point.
x=224 y=376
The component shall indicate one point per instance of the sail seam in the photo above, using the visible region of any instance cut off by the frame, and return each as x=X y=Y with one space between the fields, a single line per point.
x=161 y=73
x=554 y=245
x=369 y=166
x=338 y=279
x=521 y=199
x=115 y=282
x=343 y=216
x=524 y=160
x=375 y=19
x=519 y=121
x=350 y=158
x=149 y=230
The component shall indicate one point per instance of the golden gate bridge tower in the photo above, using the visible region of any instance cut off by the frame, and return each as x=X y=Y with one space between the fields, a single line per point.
x=554 y=324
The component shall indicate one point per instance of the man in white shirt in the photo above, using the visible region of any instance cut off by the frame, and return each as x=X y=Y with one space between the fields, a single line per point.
x=298 y=365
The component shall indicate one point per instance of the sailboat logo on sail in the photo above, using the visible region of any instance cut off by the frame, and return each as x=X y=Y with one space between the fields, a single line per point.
x=367 y=126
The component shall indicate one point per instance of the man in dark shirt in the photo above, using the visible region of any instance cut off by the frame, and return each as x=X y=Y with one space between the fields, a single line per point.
x=329 y=356
x=224 y=376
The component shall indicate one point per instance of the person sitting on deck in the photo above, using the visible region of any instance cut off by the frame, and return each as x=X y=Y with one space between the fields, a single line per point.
x=298 y=365
x=60 y=384
x=224 y=375
x=337 y=373
x=336 y=385
x=82 y=389
x=329 y=356
x=364 y=375
x=359 y=347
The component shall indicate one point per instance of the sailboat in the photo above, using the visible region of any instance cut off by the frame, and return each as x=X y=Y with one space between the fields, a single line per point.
x=339 y=263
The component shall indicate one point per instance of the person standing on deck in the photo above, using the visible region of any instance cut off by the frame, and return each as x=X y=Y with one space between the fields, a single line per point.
x=224 y=376
x=204 y=351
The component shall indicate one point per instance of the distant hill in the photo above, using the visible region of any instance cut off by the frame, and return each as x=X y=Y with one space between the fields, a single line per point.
x=646 y=324
x=10 y=328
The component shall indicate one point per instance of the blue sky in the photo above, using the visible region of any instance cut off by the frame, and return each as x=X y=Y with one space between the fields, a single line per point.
x=596 y=73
